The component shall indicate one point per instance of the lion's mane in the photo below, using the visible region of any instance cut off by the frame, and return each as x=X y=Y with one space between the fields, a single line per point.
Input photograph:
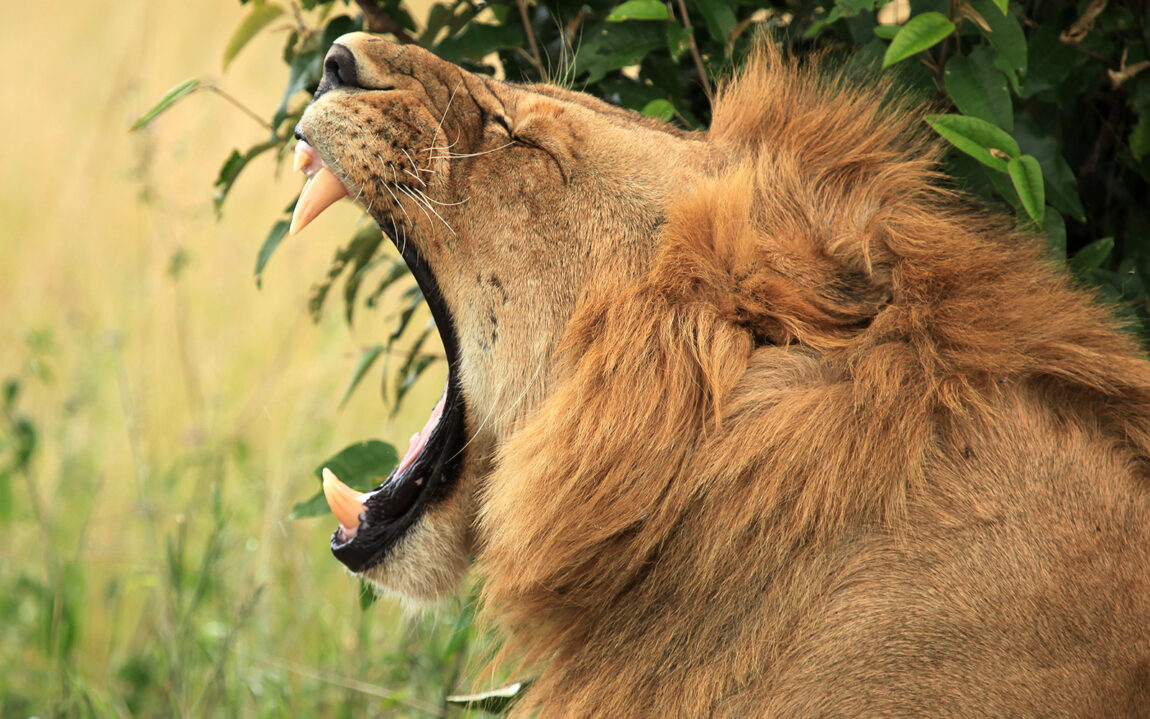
x=823 y=330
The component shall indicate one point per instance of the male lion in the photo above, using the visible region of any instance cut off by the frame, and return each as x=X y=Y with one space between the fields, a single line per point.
x=758 y=422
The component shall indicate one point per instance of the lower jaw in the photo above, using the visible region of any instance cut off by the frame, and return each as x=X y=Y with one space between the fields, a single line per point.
x=426 y=475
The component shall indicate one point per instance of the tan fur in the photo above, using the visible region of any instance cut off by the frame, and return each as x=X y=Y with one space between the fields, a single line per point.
x=772 y=425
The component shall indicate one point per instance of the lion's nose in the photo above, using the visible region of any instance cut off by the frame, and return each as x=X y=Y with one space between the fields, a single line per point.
x=338 y=70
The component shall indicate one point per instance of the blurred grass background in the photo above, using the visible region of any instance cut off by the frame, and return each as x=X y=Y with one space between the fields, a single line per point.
x=177 y=411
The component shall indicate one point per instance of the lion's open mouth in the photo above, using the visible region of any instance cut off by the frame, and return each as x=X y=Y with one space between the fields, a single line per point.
x=371 y=523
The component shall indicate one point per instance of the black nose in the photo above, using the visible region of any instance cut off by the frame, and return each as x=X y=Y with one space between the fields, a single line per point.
x=338 y=70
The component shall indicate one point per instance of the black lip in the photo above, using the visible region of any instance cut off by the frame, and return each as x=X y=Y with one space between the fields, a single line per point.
x=400 y=501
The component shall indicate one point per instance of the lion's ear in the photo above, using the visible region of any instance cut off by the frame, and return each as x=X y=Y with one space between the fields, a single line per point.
x=785 y=278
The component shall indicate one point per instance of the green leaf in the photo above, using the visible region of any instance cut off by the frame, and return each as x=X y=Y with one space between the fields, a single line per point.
x=661 y=109
x=362 y=249
x=313 y=506
x=414 y=300
x=720 y=19
x=639 y=10
x=1061 y=184
x=979 y=89
x=305 y=71
x=170 y=98
x=1049 y=61
x=335 y=28
x=1091 y=257
x=677 y=43
x=366 y=359
x=24 y=443
x=1026 y=176
x=1054 y=227
x=7 y=503
x=1002 y=5
x=478 y=40
x=616 y=45
x=361 y=466
x=1140 y=137
x=367 y=595
x=271 y=242
x=11 y=394
x=234 y=165
x=496 y=701
x=259 y=17
x=411 y=371
x=920 y=33
x=397 y=270
x=1006 y=36
x=976 y=138
x=886 y=32
x=357 y=254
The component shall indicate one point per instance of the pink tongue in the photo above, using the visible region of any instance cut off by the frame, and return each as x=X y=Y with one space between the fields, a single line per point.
x=419 y=439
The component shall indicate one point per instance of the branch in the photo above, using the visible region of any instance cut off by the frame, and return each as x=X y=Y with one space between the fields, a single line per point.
x=695 y=52
x=378 y=21
x=534 y=57
x=242 y=107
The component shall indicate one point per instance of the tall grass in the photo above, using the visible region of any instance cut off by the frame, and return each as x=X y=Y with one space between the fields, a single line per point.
x=162 y=415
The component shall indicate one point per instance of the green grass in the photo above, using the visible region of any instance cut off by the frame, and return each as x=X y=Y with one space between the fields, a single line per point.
x=166 y=414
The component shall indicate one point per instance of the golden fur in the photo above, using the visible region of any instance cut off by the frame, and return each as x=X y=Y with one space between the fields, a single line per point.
x=775 y=425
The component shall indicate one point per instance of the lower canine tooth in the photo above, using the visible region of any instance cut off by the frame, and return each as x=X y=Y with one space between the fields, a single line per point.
x=319 y=192
x=344 y=501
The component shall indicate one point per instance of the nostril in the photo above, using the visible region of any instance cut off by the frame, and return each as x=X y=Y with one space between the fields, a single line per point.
x=339 y=67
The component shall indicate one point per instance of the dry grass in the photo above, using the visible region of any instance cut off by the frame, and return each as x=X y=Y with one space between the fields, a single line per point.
x=179 y=414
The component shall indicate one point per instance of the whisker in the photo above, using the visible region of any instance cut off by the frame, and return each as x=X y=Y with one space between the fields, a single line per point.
x=444 y=204
x=428 y=200
x=512 y=407
x=417 y=177
x=452 y=156
x=418 y=204
x=394 y=196
x=444 y=148
x=443 y=117
x=422 y=200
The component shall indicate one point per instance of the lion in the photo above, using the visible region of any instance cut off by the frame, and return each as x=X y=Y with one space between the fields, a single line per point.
x=763 y=421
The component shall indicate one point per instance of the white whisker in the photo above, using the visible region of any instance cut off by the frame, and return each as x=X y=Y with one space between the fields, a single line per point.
x=507 y=413
x=443 y=118
x=443 y=204
x=417 y=177
x=418 y=204
x=446 y=148
x=424 y=200
x=452 y=156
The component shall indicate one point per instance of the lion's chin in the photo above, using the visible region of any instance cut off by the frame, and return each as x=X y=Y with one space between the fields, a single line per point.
x=429 y=562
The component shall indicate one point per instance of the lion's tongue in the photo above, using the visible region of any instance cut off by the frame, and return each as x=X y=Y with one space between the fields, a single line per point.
x=419 y=439
x=320 y=191
x=347 y=504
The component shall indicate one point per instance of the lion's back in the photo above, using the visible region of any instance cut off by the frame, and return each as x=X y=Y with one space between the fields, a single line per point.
x=1021 y=586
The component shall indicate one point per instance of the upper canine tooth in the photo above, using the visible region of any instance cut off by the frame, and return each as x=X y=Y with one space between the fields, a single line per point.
x=344 y=501
x=319 y=192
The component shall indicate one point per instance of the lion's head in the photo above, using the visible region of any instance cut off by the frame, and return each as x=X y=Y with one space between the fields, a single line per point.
x=744 y=422
x=506 y=202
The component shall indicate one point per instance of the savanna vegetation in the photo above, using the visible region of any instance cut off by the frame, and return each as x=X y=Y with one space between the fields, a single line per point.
x=166 y=399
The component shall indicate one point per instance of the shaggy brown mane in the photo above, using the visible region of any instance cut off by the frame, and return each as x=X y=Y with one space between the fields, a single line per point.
x=825 y=332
